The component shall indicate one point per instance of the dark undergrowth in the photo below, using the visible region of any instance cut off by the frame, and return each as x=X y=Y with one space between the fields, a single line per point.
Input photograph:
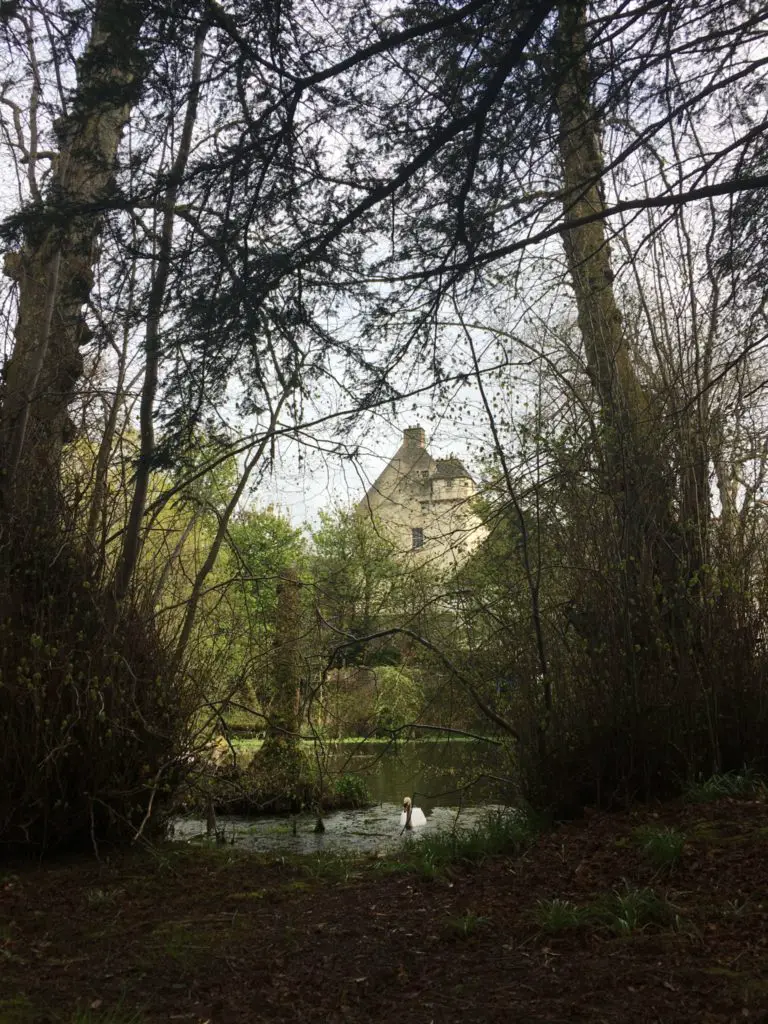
x=573 y=922
x=91 y=711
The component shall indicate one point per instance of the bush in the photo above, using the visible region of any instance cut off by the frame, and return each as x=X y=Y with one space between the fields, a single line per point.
x=399 y=698
x=352 y=791
x=91 y=712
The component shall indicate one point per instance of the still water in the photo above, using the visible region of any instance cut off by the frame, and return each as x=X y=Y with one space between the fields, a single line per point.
x=447 y=779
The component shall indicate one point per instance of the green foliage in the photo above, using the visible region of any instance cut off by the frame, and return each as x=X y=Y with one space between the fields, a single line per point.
x=352 y=791
x=399 y=698
x=500 y=832
x=467 y=924
x=632 y=910
x=663 y=847
x=280 y=777
x=97 y=897
x=239 y=633
x=745 y=783
x=243 y=721
x=556 y=915
x=17 y=1010
x=620 y=912
x=264 y=543
x=357 y=576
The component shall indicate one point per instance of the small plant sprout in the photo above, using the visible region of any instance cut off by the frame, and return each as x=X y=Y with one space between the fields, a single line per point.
x=467 y=924
x=663 y=847
x=633 y=910
x=556 y=915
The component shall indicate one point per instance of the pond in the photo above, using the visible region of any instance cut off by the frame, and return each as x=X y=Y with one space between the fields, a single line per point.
x=446 y=778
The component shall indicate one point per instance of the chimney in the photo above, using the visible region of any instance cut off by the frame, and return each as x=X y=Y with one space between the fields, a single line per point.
x=414 y=437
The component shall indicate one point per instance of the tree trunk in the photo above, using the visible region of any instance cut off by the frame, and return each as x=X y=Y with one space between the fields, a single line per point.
x=636 y=477
x=587 y=250
x=54 y=268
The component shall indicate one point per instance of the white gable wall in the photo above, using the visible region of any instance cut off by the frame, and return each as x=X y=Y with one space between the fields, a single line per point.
x=415 y=492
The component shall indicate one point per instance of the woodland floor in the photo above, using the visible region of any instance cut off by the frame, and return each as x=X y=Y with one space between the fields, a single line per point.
x=196 y=935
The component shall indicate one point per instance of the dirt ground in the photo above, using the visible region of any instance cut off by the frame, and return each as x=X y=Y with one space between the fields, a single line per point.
x=219 y=936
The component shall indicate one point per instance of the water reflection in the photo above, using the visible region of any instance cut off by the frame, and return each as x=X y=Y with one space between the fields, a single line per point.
x=435 y=773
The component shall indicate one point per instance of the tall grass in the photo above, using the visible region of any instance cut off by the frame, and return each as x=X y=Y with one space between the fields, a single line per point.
x=745 y=783
x=500 y=832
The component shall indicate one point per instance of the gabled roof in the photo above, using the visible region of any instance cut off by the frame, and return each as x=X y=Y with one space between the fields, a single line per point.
x=450 y=469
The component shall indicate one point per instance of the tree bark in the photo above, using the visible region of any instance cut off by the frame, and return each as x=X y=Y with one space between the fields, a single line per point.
x=587 y=250
x=54 y=268
x=635 y=474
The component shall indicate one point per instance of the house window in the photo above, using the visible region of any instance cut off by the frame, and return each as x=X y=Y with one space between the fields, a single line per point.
x=417 y=538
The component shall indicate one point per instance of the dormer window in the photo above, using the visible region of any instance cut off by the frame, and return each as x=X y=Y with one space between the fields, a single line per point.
x=417 y=538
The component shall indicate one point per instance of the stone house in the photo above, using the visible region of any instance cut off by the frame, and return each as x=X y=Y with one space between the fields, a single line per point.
x=425 y=504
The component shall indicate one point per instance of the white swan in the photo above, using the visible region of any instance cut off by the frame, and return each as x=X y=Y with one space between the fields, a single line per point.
x=412 y=817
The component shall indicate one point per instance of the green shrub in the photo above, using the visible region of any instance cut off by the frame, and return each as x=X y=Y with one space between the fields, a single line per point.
x=399 y=698
x=352 y=791
x=620 y=912
x=114 y=1015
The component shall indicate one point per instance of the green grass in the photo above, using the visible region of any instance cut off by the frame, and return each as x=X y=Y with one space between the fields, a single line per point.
x=555 y=916
x=104 y=897
x=621 y=912
x=663 y=847
x=632 y=910
x=745 y=783
x=465 y=925
x=115 y=1015
x=498 y=833
x=181 y=941
x=19 y=1010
